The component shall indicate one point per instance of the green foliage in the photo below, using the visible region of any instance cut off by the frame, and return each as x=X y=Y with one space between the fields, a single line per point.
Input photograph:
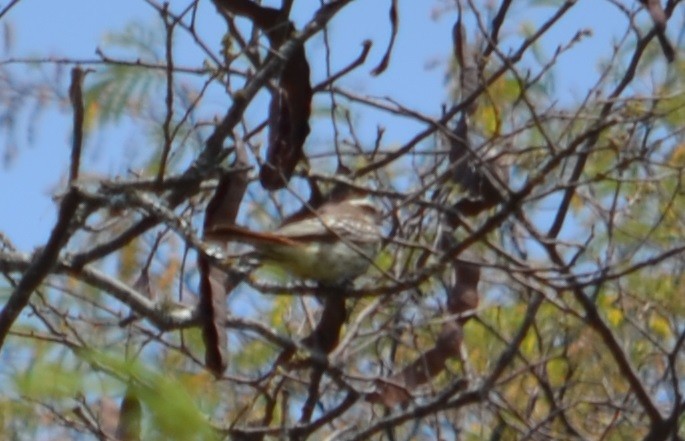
x=125 y=89
x=169 y=405
x=169 y=402
x=51 y=380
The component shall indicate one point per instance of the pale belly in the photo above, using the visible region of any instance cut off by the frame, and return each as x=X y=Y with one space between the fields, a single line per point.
x=328 y=263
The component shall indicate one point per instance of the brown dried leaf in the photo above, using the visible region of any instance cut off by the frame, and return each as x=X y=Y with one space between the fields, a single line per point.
x=397 y=390
x=394 y=23
x=214 y=283
x=289 y=113
x=212 y=309
x=130 y=417
x=326 y=335
x=464 y=293
x=468 y=72
x=474 y=175
x=290 y=106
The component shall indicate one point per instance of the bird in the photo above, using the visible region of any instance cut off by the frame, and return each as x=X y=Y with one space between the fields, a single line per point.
x=332 y=245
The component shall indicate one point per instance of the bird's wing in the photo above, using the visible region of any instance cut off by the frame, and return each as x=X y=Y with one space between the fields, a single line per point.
x=315 y=228
x=328 y=228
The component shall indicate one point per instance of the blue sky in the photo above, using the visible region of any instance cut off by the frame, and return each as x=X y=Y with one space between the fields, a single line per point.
x=415 y=78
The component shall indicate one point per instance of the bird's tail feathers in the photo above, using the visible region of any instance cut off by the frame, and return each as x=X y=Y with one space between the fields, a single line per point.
x=235 y=233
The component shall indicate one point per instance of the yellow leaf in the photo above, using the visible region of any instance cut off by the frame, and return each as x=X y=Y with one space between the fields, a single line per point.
x=660 y=326
x=678 y=156
x=615 y=316
x=557 y=370
x=92 y=114
x=529 y=344
x=167 y=278
x=490 y=120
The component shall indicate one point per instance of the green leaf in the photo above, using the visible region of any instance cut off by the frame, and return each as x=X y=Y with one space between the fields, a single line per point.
x=169 y=404
x=48 y=379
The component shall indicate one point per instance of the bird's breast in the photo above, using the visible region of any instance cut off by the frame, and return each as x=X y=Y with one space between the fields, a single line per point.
x=328 y=263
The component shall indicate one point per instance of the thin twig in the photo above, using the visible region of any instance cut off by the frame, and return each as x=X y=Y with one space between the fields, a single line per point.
x=43 y=264
x=169 y=99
